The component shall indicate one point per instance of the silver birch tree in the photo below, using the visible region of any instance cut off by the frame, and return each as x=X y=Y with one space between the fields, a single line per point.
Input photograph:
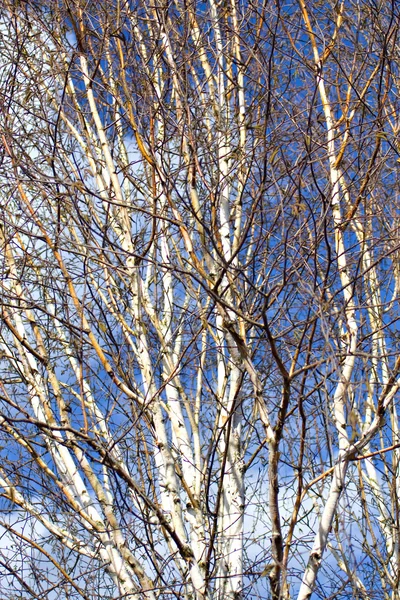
x=199 y=245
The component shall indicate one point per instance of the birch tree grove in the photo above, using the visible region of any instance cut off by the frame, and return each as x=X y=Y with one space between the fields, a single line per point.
x=199 y=257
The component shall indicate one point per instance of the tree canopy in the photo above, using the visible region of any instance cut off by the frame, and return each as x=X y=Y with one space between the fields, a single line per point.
x=199 y=258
